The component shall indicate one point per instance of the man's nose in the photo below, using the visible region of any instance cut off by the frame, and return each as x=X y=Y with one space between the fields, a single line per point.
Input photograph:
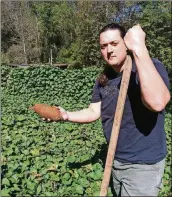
x=109 y=48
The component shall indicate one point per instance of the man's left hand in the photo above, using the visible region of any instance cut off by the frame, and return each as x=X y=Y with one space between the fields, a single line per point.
x=135 y=38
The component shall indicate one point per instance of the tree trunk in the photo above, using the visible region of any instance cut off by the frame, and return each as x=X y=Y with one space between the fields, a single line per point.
x=38 y=38
x=23 y=39
x=51 y=57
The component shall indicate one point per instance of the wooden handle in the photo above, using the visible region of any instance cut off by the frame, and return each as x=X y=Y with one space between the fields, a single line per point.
x=116 y=126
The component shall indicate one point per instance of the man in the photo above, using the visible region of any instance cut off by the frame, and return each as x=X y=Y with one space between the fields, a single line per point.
x=139 y=159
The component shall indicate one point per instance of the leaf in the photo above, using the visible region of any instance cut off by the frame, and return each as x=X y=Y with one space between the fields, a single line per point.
x=84 y=158
x=31 y=186
x=5 y=181
x=21 y=118
x=35 y=152
x=84 y=182
x=5 y=192
x=88 y=143
x=49 y=194
x=38 y=190
x=98 y=175
x=61 y=139
x=16 y=187
x=14 y=179
x=97 y=166
x=97 y=193
x=66 y=176
x=71 y=159
x=66 y=182
x=76 y=132
x=79 y=189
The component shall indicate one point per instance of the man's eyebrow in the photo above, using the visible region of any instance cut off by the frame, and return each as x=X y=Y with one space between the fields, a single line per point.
x=114 y=41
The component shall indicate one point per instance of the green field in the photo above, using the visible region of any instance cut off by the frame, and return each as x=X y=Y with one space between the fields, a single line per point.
x=54 y=159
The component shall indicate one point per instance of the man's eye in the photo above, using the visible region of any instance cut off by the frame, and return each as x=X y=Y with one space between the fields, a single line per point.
x=114 y=44
x=103 y=47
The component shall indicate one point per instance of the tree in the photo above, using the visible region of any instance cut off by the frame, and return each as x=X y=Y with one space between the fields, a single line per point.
x=19 y=27
x=49 y=36
x=156 y=21
x=70 y=29
x=88 y=18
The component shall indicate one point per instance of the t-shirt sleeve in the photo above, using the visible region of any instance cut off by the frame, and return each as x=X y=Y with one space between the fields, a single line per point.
x=96 y=97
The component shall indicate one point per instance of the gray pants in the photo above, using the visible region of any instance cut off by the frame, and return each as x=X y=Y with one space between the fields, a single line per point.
x=137 y=179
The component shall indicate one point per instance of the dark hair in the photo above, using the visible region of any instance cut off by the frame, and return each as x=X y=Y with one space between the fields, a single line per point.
x=103 y=78
x=114 y=26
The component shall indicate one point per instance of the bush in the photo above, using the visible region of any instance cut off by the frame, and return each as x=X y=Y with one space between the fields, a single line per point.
x=4 y=59
x=15 y=54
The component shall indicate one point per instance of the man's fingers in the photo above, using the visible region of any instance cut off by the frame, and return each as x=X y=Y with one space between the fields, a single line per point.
x=31 y=108
x=47 y=120
x=61 y=109
x=138 y=25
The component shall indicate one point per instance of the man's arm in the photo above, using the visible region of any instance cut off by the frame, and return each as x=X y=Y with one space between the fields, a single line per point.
x=87 y=115
x=155 y=94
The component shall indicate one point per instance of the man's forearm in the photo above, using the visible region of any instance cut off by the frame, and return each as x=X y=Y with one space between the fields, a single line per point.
x=83 y=116
x=87 y=115
x=154 y=91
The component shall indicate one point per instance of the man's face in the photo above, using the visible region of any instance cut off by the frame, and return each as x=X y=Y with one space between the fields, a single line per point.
x=113 y=48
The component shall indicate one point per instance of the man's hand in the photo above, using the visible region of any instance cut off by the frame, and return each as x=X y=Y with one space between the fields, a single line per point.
x=135 y=39
x=155 y=94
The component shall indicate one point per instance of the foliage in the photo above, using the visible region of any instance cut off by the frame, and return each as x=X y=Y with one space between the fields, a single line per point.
x=4 y=59
x=82 y=48
x=167 y=178
x=71 y=56
x=53 y=159
x=15 y=54
x=45 y=159
x=156 y=21
x=70 y=29
x=49 y=35
x=19 y=32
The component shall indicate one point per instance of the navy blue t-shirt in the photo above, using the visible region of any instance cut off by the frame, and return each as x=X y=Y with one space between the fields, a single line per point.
x=142 y=137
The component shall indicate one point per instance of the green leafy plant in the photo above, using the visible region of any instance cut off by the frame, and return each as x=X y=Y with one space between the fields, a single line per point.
x=53 y=159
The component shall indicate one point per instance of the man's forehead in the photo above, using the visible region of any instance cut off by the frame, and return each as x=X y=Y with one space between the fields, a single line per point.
x=110 y=36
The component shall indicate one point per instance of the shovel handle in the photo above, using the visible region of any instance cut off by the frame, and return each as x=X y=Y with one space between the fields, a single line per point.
x=116 y=126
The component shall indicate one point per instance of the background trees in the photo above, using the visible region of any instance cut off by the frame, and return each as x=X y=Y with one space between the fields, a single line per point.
x=19 y=33
x=32 y=31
